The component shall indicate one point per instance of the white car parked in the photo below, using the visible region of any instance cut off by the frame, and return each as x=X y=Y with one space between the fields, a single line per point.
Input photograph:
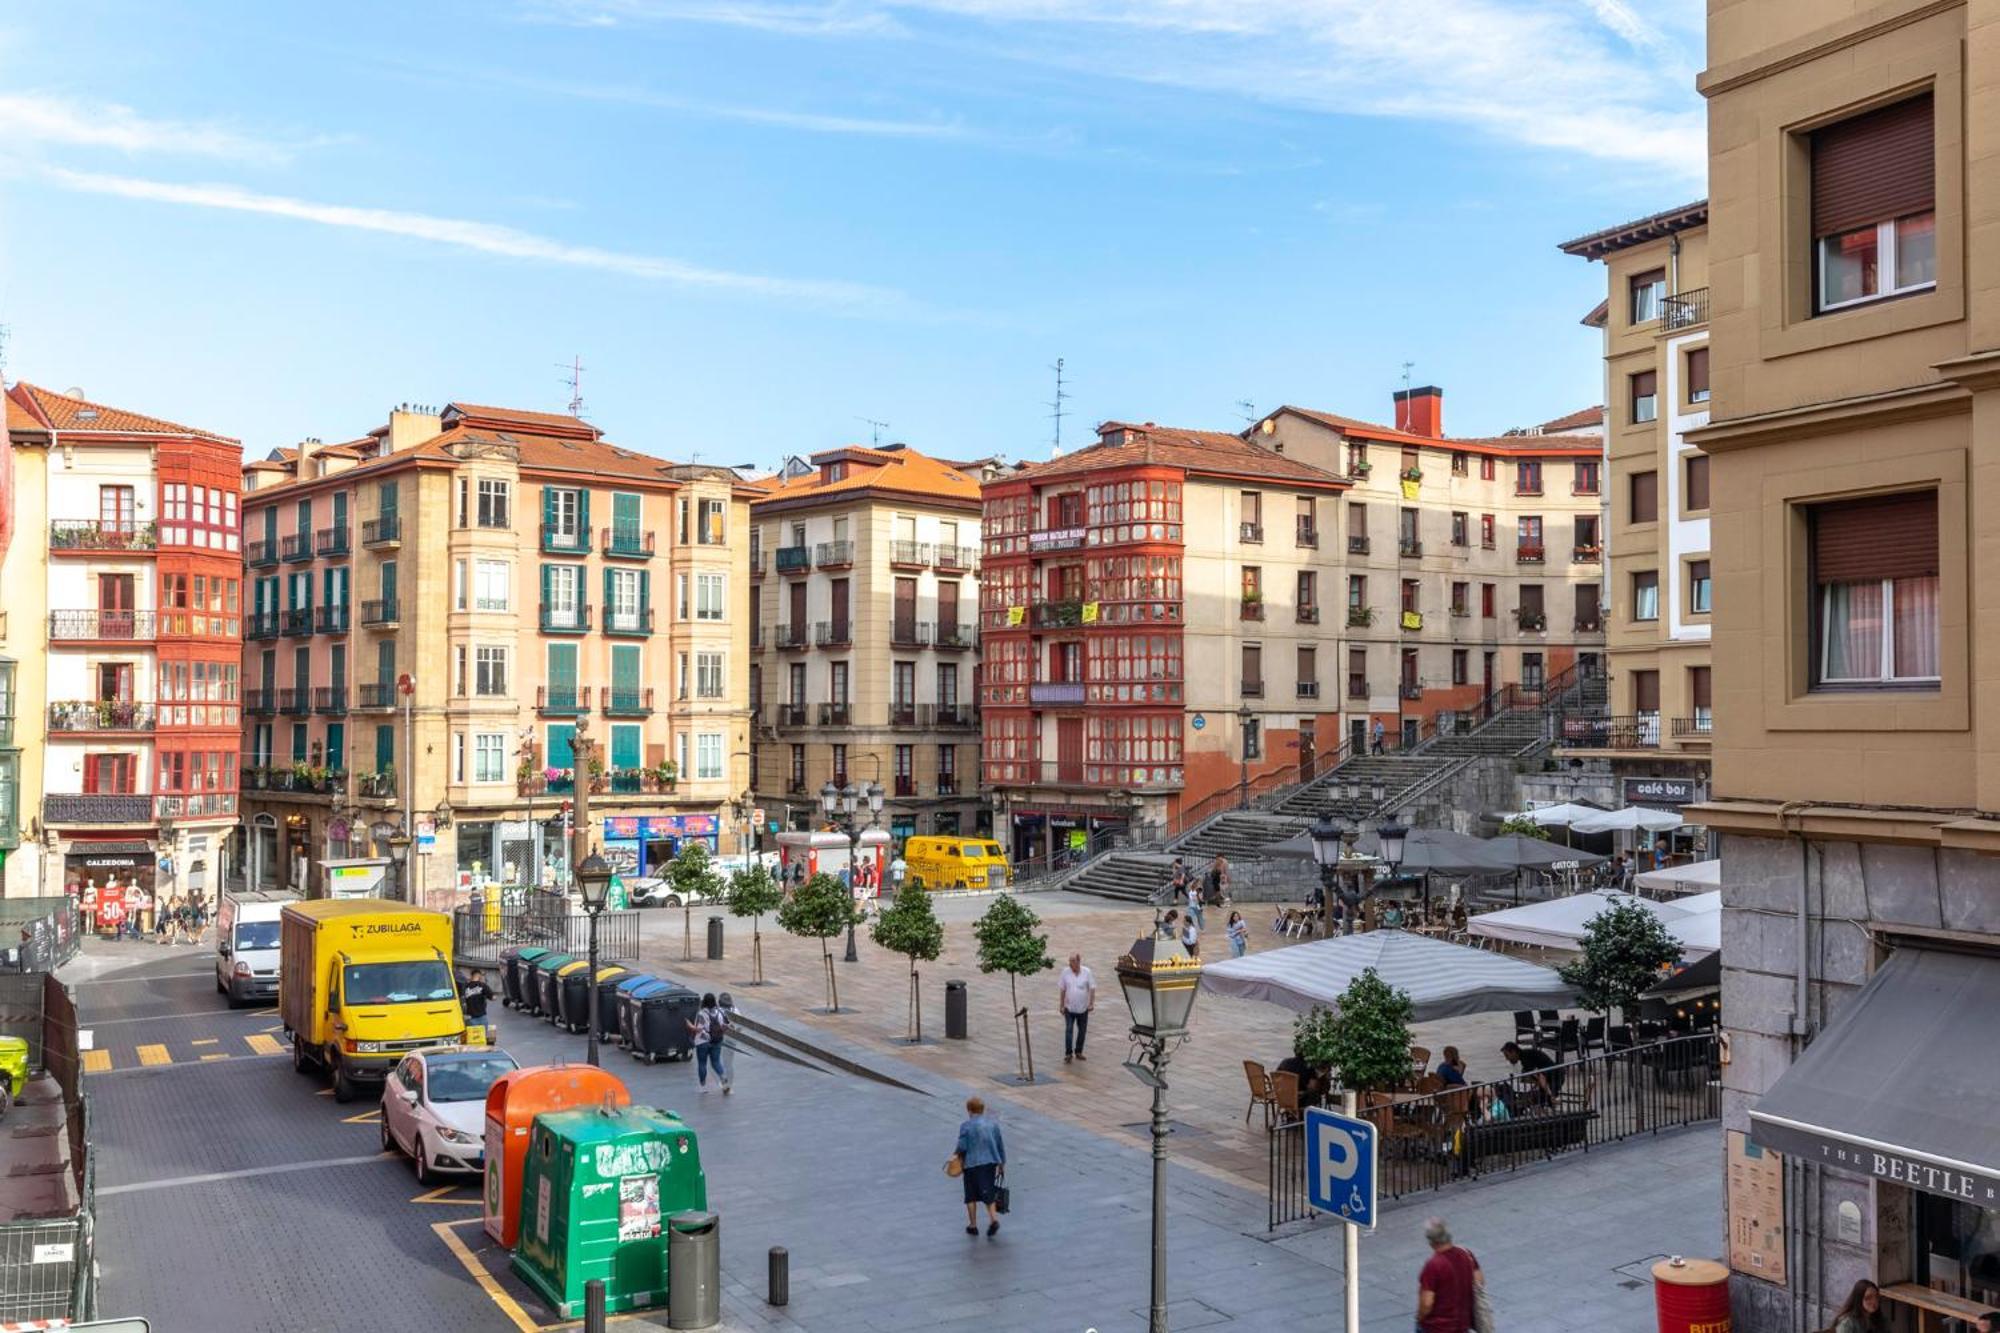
x=434 y=1108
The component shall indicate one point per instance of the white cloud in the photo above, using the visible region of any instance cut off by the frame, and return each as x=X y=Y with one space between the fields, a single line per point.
x=481 y=237
x=808 y=121
x=40 y=118
x=833 y=19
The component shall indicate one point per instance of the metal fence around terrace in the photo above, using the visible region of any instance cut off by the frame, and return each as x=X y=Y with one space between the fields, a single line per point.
x=1438 y=1139
x=545 y=921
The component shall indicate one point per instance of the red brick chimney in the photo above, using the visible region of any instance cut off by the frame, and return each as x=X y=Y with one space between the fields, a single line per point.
x=1421 y=411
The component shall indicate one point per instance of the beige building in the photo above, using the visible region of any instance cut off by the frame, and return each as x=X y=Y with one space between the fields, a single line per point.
x=526 y=579
x=864 y=590
x=1854 y=266
x=1660 y=571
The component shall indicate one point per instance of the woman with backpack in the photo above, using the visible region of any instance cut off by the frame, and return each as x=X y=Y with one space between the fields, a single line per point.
x=708 y=1027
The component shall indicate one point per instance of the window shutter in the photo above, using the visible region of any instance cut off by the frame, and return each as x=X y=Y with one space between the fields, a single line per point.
x=1531 y=598
x=645 y=590
x=1887 y=537
x=1645 y=691
x=1697 y=364
x=545 y=587
x=1874 y=167
x=548 y=507
x=1645 y=497
x=1698 y=686
x=1697 y=478
x=583 y=514
x=1646 y=384
x=607 y=594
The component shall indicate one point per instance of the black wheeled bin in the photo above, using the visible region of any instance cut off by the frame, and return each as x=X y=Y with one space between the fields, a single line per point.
x=660 y=1027
x=575 y=994
x=629 y=994
x=538 y=984
x=515 y=960
x=608 y=992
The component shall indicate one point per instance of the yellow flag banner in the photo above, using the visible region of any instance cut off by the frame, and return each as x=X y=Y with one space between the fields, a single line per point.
x=1016 y=614
x=1090 y=613
x=1409 y=489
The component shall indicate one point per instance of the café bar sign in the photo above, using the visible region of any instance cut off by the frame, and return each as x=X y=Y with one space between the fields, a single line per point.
x=1659 y=791
x=1975 y=1184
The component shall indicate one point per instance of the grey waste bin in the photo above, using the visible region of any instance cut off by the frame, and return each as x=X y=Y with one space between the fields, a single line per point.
x=954 y=1010
x=694 y=1271
x=715 y=938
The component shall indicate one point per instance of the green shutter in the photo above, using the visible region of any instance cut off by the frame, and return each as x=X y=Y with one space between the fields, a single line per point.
x=625 y=746
x=625 y=670
x=340 y=509
x=385 y=662
x=385 y=501
x=625 y=517
x=645 y=591
x=298 y=742
x=562 y=749
x=548 y=507
x=562 y=668
x=583 y=516
x=607 y=596
x=388 y=580
x=545 y=588
x=336 y=746
x=271 y=529
x=385 y=747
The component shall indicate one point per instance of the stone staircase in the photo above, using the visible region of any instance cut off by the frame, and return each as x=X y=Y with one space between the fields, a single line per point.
x=1131 y=877
x=1237 y=836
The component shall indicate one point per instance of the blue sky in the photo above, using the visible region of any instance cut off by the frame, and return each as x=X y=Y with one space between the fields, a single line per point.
x=760 y=221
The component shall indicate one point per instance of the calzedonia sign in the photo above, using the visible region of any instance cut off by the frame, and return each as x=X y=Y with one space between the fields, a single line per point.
x=1659 y=791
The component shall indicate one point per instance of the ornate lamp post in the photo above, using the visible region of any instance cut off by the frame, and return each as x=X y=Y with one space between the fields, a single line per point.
x=842 y=805
x=1326 y=840
x=399 y=852
x=1159 y=979
x=593 y=884
x=1245 y=717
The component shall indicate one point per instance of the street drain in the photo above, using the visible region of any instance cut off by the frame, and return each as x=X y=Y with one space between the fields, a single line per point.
x=1191 y=1313
x=1638 y=1273
x=1177 y=1128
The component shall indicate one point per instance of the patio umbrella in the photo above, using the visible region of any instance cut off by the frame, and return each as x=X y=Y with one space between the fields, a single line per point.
x=1558 y=816
x=1444 y=980
x=1696 y=878
x=1425 y=851
x=1631 y=818
x=1561 y=923
x=1517 y=851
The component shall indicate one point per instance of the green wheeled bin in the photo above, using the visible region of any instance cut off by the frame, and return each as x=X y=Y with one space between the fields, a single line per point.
x=596 y=1192
x=516 y=963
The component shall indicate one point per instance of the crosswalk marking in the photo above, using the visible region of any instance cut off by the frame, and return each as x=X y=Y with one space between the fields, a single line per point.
x=264 y=1045
x=204 y=1041
x=215 y=1057
x=96 y=1062
x=154 y=1055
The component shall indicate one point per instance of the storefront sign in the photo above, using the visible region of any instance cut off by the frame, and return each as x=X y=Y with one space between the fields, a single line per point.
x=1659 y=791
x=1975 y=1184
x=1756 y=1180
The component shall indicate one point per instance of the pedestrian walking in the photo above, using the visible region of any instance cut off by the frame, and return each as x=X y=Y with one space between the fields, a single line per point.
x=1450 y=1289
x=982 y=1161
x=1077 y=989
x=1167 y=927
x=708 y=1027
x=1239 y=935
x=163 y=920
x=1191 y=936
x=472 y=998
x=1192 y=900
x=1380 y=732
x=1218 y=881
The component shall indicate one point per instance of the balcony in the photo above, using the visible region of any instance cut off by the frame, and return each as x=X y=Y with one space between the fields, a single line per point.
x=1700 y=727
x=1412 y=689
x=386 y=530
x=1590 y=486
x=1357 y=546
x=1641 y=731
x=1531 y=621
x=297 y=620
x=1306 y=535
x=331 y=543
x=631 y=624
x=833 y=634
x=1527 y=554
x=1308 y=689
x=574 y=619
x=260 y=625
x=383 y=612
x=1589 y=625
x=1686 y=310
x=101 y=626
x=628 y=701
x=330 y=620
x=1360 y=617
x=83 y=536
x=260 y=554
x=375 y=695
x=1587 y=555
x=791 y=715
x=1056 y=692
x=1460 y=610
x=200 y=805
x=904 y=713
x=1528 y=488
x=957 y=559
x=834 y=555
x=1357 y=687
x=1413 y=620
x=376 y=786
x=1056 y=539
x=794 y=560
x=1409 y=548
x=296 y=548
x=1250 y=608
x=295 y=700
x=97 y=808
x=1066 y=614
x=99 y=715
x=906 y=784
x=1253 y=689
x=910 y=555
x=559 y=700
x=909 y=634
x=956 y=637
x=955 y=715
x=626 y=543
x=330 y=700
x=1252 y=533
x=786 y=637
x=262 y=703
x=558 y=540
x=947 y=785
x=836 y=715
x=1306 y=615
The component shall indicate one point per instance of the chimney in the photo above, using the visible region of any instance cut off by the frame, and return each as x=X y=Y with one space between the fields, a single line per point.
x=1420 y=411
x=411 y=423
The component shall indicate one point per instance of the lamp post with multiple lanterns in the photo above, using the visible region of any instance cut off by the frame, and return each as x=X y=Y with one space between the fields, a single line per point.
x=842 y=805
x=1159 y=978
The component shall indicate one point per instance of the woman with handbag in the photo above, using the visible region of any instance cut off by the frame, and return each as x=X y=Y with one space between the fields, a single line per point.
x=980 y=1161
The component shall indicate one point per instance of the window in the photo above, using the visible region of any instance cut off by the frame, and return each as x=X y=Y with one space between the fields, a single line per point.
x=1308 y=670
x=562 y=595
x=710 y=595
x=565 y=514
x=1461 y=599
x=1649 y=293
x=1646 y=703
x=1357 y=673
x=1253 y=738
x=1460 y=527
x=490 y=672
x=1698 y=587
x=708 y=675
x=1873 y=205
x=1697 y=375
x=1253 y=585
x=1486 y=531
x=1646 y=595
x=1701 y=693
x=1645 y=396
x=1253 y=670
x=1251 y=505
x=1486 y=468
x=1412 y=595
x=1308 y=596
x=1357 y=592
x=798 y=782
x=1460 y=666
x=1586 y=537
x=1307 y=523
x=493 y=508
x=1697 y=482
x=1585 y=480
x=709 y=528
x=1528 y=477
x=708 y=752
x=624 y=599
x=1458 y=463
x=458 y=585
x=1875 y=576
x=1644 y=503
x=489 y=756
x=493 y=585
x=1486 y=600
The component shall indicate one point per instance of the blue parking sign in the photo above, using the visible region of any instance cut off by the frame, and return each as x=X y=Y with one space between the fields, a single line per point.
x=1340 y=1166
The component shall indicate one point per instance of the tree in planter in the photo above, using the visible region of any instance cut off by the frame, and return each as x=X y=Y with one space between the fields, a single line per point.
x=1366 y=1041
x=1008 y=943
x=1623 y=949
x=692 y=874
x=819 y=909
x=752 y=892
x=909 y=927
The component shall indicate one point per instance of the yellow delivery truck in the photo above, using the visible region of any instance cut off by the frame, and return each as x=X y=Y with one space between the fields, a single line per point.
x=362 y=982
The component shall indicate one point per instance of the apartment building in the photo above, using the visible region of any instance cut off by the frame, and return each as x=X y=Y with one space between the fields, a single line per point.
x=1659 y=722
x=864 y=588
x=120 y=652
x=1460 y=564
x=439 y=608
x=1854 y=271
x=1151 y=617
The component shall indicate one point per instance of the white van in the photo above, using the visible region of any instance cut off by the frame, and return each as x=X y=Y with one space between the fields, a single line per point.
x=246 y=945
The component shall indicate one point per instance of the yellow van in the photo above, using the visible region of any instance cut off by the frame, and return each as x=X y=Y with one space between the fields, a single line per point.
x=956 y=863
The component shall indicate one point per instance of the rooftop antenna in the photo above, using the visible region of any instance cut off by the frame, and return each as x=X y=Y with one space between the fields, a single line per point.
x=1056 y=412
x=1247 y=410
x=574 y=379
x=875 y=429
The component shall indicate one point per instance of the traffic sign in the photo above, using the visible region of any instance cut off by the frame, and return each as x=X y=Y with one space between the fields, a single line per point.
x=1340 y=1166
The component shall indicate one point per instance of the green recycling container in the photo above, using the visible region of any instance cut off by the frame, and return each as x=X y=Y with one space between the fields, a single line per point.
x=597 y=1188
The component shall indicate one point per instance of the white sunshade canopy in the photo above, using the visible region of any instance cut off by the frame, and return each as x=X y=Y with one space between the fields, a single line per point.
x=1444 y=980
x=1631 y=818
x=1561 y=923
x=1557 y=816
x=1696 y=878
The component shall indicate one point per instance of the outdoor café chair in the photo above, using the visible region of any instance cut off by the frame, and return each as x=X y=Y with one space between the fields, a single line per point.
x=1260 y=1092
x=1285 y=1096
x=1420 y=1060
x=1593 y=1036
x=1524 y=1027
x=1548 y=1025
x=1569 y=1037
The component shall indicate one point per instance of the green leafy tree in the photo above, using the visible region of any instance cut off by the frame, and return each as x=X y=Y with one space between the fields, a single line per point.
x=693 y=876
x=1524 y=826
x=1365 y=1041
x=1008 y=943
x=819 y=909
x=910 y=927
x=752 y=892
x=1623 y=949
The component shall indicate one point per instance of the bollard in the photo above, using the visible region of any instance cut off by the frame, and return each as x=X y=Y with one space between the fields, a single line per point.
x=593 y=1306
x=715 y=939
x=781 y=1276
x=954 y=1010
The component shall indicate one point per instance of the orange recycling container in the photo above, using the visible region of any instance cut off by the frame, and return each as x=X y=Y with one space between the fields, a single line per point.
x=512 y=1104
x=1691 y=1296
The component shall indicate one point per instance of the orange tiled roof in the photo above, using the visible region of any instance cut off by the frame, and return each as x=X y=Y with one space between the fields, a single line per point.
x=1587 y=416
x=902 y=471
x=62 y=412
x=1202 y=452
x=1563 y=445
x=19 y=417
x=542 y=423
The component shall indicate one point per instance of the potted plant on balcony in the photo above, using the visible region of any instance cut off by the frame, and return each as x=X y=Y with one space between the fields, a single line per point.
x=1413 y=474
x=1360 y=615
x=596 y=772
x=559 y=779
x=665 y=775
x=1362 y=467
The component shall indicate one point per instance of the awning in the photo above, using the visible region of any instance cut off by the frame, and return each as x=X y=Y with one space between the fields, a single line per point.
x=1695 y=878
x=1698 y=978
x=1561 y=923
x=1900 y=1086
x=1444 y=980
x=85 y=847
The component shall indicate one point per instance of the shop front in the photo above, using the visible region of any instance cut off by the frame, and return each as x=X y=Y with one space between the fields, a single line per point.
x=643 y=845
x=123 y=872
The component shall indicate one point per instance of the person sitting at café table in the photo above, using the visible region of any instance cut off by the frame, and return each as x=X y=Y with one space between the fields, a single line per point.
x=1547 y=1076
x=1313 y=1083
x=1451 y=1068
x=1392 y=916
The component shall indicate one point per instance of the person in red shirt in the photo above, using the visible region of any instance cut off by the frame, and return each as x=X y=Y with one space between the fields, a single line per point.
x=1446 y=1285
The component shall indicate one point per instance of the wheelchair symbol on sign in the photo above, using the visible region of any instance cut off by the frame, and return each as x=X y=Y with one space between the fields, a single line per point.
x=1341 y=1175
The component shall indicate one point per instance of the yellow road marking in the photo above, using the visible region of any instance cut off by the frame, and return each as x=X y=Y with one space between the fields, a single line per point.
x=438 y=1196
x=215 y=1057
x=263 y=1013
x=324 y=1092
x=487 y=1282
x=365 y=1118
x=97 y=1062
x=275 y=1027
x=204 y=1041
x=264 y=1045
x=154 y=1055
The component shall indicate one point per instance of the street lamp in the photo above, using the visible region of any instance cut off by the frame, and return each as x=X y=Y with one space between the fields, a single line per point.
x=1394 y=836
x=1245 y=719
x=1326 y=839
x=841 y=805
x=173 y=864
x=593 y=884
x=1159 y=978
x=399 y=852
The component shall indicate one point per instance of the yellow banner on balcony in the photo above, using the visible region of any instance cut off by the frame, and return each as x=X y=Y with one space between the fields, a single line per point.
x=1090 y=613
x=1409 y=489
x=1016 y=615
x=1413 y=620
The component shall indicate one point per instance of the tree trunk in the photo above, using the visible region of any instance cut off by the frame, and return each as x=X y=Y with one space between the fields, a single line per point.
x=916 y=1005
x=832 y=983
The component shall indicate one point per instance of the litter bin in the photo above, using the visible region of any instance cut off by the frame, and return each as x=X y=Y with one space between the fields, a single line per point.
x=515 y=961
x=554 y=980
x=575 y=997
x=607 y=1002
x=538 y=983
x=954 y=1010
x=660 y=1028
x=694 y=1271
x=715 y=939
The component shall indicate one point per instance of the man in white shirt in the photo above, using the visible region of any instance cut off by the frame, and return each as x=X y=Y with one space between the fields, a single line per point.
x=1079 y=997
